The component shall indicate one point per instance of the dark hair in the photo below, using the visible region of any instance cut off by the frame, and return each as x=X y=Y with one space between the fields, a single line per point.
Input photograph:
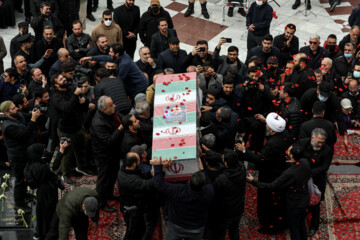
x=228 y=80
x=357 y=63
x=68 y=67
x=318 y=108
x=253 y=69
x=99 y=36
x=233 y=49
x=118 y=48
x=12 y=72
x=126 y=121
x=296 y=151
x=225 y=114
x=44 y=4
x=214 y=92
x=255 y=59
x=161 y=20
x=39 y=92
x=130 y=160
x=101 y=72
x=213 y=159
x=18 y=99
x=289 y=88
x=48 y=27
x=197 y=181
x=304 y=60
x=76 y=22
x=106 y=12
x=291 y=26
x=268 y=37
x=230 y=157
x=332 y=36
x=202 y=42
x=207 y=64
x=317 y=71
x=54 y=77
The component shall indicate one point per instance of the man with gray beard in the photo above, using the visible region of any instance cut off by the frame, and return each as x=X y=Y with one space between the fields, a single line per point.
x=319 y=155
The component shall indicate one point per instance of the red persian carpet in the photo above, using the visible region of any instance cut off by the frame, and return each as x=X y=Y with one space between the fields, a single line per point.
x=350 y=157
x=340 y=213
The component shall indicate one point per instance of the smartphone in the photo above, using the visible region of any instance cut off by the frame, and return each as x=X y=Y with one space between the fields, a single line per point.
x=228 y=40
x=349 y=75
x=201 y=49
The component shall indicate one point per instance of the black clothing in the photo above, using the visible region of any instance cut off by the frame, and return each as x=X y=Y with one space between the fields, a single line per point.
x=146 y=124
x=286 y=52
x=345 y=40
x=260 y=17
x=318 y=122
x=225 y=133
x=160 y=43
x=72 y=44
x=258 y=51
x=315 y=60
x=343 y=67
x=114 y=88
x=303 y=80
x=196 y=60
x=147 y=68
x=333 y=111
x=167 y=60
x=333 y=53
x=149 y=22
x=38 y=23
x=15 y=46
x=224 y=63
x=354 y=102
x=7 y=14
x=131 y=139
x=34 y=86
x=41 y=46
x=69 y=109
x=291 y=112
x=69 y=12
x=128 y=19
x=35 y=7
x=354 y=18
x=271 y=163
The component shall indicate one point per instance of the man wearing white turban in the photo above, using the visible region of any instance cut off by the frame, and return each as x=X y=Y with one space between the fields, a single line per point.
x=271 y=163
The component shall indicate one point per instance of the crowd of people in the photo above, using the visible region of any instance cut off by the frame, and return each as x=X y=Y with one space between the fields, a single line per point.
x=83 y=106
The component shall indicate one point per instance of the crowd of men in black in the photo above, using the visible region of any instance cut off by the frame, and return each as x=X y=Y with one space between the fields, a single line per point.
x=81 y=108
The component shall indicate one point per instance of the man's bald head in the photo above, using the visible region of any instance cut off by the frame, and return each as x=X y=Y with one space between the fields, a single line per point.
x=63 y=55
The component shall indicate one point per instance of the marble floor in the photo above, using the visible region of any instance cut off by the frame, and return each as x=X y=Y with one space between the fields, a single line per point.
x=196 y=27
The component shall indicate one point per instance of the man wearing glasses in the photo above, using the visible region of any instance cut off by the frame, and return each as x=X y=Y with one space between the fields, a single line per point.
x=109 y=28
x=315 y=52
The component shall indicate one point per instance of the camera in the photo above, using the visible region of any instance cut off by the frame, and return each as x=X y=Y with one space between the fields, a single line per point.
x=82 y=70
x=228 y=40
x=239 y=140
x=38 y=107
x=201 y=49
x=65 y=139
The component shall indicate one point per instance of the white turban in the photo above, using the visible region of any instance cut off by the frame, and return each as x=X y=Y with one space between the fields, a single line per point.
x=275 y=122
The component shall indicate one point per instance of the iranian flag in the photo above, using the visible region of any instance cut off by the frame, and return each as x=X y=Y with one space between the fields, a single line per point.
x=175 y=132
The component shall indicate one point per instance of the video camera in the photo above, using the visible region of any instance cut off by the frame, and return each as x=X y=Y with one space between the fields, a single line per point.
x=38 y=107
x=251 y=83
x=65 y=139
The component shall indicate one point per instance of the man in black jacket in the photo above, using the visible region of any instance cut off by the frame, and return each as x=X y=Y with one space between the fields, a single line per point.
x=318 y=121
x=199 y=55
x=314 y=52
x=354 y=96
x=264 y=51
x=106 y=134
x=173 y=57
x=271 y=163
x=288 y=43
x=330 y=45
x=17 y=137
x=352 y=37
x=146 y=63
x=127 y=16
x=70 y=107
x=133 y=134
x=113 y=87
x=344 y=64
x=161 y=39
x=136 y=193
x=258 y=20
x=47 y=19
x=149 y=21
x=15 y=44
x=229 y=199
x=319 y=155
x=78 y=43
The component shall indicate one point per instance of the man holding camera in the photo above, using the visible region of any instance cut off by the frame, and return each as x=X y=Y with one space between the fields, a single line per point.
x=18 y=136
x=70 y=106
x=199 y=55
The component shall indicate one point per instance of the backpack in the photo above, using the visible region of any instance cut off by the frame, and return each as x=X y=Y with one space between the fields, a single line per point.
x=29 y=178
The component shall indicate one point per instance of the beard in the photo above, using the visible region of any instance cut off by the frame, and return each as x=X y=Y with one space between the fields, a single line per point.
x=14 y=115
x=316 y=149
x=297 y=67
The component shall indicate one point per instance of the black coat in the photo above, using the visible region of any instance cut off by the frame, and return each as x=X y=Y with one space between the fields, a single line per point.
x=354 y=18
x=115 y=88
x=127 y=19
x=260 y=17
x=354 y=102
x=131 y=139
x=333 y=111
x=286 y=52
x=315 y=60
x=319 y=162
x=258 y=51
x=160 y=43
x=42 y=46
x=167 y=60
x=303 y=80
x=147 y=68
x=345 y=40
x=196 y=60
x=343 y=67
x=105 y=137
x=149 y=22
x=318 y=122
x=294 y=181
x=37 y=23
x=291 y=112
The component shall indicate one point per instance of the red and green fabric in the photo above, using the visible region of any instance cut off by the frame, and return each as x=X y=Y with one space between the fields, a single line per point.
x=175 y=124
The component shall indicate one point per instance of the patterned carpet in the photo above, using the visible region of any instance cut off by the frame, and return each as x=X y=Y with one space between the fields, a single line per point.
x=350 y=157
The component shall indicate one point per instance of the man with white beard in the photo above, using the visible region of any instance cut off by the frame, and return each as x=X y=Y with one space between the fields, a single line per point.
x=319 y=155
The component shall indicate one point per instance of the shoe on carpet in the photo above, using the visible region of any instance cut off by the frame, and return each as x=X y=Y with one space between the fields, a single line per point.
x=24 y=207
x=311 y=232
x=67 y=179
x=108 y=208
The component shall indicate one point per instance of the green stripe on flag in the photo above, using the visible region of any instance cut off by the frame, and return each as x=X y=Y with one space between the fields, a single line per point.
x=160 y=121
x=179 y=153
x=176 y=87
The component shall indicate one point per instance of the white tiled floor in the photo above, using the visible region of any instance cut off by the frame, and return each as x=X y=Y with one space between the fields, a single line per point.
x=323 y=24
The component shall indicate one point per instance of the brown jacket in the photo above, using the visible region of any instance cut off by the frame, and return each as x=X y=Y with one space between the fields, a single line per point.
x=113 y=33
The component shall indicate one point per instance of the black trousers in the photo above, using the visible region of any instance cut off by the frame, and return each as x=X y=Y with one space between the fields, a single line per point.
x=253 y=41
x=79 y=224
x=20 y=185
x=108 y=2
x=107 y=173
x=256 y=129
x=315 y=216
x=217 y=228
x=130 y=46
x=18 y=4
x=135 y=225
x=151 y=218
x=296 y=220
